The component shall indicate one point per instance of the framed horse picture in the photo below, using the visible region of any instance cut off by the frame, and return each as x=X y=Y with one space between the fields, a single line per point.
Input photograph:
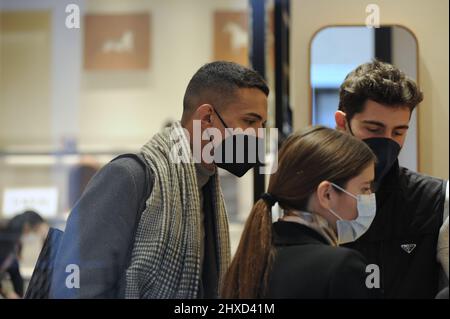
x=117 y=42
x=231 y=36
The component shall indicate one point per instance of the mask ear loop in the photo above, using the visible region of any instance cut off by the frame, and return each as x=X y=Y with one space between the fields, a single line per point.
x=335 y=215
x=348 y=125
x=348 y=193
x=333 y=212
x=223 y=122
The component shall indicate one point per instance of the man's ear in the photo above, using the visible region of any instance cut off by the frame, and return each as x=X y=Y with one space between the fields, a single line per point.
x=341 y=120
x=324 y=194
x=204 y=113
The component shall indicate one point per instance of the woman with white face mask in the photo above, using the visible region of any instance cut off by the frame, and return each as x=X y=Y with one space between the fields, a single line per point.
x=323 y=186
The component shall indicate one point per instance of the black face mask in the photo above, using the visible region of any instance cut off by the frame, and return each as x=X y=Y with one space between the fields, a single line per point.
x=387 y=151
x=238 y=153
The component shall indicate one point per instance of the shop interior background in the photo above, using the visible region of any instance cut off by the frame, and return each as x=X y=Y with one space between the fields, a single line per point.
x=66 y=102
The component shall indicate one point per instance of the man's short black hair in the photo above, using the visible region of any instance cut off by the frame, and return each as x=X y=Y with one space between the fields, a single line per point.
x=380 y=82
x=217 y=83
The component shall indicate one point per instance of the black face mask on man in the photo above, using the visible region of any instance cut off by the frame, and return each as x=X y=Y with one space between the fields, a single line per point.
x=238 y=153
x=386 y=150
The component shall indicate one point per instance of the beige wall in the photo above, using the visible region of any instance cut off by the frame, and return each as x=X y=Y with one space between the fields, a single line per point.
x=24 y=84
x=102 y=110
x=115 y=110
x=133 y=106
x=428 y=20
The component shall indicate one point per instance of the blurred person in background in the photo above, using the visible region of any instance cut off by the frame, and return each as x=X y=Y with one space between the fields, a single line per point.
x=79 y=177
x=26 y=227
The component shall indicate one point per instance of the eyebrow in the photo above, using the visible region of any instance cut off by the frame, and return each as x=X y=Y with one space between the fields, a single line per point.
x=259 y=117
x=254 y=115
x=400 y=127
x=370 y=184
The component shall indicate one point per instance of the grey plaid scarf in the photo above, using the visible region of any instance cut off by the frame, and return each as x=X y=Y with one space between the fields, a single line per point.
x=165 y=261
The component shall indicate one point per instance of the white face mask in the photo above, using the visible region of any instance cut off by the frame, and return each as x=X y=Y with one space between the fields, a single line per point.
x=350 y=230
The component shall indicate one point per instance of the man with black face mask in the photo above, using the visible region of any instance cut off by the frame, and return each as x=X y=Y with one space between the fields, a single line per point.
x=376 y=103
x=177 y=246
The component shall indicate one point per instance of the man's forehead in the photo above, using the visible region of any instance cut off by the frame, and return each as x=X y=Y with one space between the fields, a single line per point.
x=248 y=103
x=386 y=115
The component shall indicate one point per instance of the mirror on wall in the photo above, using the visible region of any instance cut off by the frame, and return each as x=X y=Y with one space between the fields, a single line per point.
x=337 y=50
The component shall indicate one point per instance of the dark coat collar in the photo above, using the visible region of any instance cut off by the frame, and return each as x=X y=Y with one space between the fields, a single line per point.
x=291 y=233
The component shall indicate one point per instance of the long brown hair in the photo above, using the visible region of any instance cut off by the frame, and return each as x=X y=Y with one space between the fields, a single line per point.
x=306 y=159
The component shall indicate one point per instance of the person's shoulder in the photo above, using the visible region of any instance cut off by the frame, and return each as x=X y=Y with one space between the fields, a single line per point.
x=129 y=161
x=350 y=274
x=417 y=185
x=125 y=172
x=334 y=271
x=346 y=256
x=327 y=256
x=128 y=166
x=341 y=256
x=413 y=177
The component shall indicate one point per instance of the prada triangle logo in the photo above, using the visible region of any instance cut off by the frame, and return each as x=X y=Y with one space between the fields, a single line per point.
x=408 y=247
